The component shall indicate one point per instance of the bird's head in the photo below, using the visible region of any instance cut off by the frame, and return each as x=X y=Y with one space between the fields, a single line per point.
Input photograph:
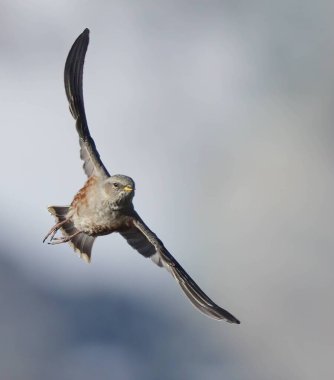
x=120 y=190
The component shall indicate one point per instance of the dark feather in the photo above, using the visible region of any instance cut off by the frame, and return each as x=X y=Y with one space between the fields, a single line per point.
x=138 y=241
x=141 y=238
x=73 y=87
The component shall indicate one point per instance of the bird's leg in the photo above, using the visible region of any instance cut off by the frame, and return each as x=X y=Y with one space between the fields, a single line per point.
x=54 y=230
x=63 y=239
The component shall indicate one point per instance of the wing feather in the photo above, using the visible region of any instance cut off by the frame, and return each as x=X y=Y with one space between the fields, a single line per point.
x=73 y=87
x=141 y=238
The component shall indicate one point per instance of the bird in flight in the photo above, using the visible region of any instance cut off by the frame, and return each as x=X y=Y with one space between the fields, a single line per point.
x=104 y=204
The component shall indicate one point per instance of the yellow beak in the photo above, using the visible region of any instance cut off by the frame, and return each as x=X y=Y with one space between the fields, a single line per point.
x=128 y=188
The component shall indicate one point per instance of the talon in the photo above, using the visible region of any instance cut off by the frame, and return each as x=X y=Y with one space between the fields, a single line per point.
x=63 y=239
x=54 y=230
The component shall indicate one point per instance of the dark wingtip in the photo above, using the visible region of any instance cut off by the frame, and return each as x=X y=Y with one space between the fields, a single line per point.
x=231 y=318
x=84 y=35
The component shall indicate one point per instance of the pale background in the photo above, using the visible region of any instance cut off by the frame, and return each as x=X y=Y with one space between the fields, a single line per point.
x=222 y=112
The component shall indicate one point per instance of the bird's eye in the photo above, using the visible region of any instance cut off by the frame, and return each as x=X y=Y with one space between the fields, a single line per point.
x=115 y=185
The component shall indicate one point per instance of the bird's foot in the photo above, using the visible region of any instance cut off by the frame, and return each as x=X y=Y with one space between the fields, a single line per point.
x=54 y=230
x=63 y=239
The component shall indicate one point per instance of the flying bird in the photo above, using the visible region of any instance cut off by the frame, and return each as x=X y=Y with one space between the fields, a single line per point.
x=104 y=204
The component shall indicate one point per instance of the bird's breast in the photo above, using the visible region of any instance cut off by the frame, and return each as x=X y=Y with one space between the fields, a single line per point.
x=98 y=219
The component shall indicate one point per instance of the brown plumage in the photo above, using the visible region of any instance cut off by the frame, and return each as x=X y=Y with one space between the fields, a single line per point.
x=104 y=204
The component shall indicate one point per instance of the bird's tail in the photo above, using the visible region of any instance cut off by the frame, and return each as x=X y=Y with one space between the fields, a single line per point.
x=80 y=242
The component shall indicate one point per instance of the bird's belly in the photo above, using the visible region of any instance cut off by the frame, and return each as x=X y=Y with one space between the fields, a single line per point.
x=97 y=222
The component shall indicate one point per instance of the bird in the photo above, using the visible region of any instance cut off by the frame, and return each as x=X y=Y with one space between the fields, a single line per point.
x=104 y=204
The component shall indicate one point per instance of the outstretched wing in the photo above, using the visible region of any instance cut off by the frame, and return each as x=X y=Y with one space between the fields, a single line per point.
x=141 y=238
x=73 y=87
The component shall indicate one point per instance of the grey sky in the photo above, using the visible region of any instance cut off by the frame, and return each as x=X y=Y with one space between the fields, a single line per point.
x=220 y=111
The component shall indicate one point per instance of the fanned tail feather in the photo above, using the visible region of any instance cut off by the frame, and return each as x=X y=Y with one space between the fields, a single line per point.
x=81 y=243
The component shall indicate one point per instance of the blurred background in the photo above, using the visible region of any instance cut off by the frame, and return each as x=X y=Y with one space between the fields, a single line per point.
x=222 y=112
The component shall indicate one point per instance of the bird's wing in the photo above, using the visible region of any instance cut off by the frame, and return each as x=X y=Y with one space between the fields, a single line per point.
x=73 y=86
x=141 y=238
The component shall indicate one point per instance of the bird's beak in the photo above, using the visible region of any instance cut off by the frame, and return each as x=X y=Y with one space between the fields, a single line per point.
x=128 y=189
